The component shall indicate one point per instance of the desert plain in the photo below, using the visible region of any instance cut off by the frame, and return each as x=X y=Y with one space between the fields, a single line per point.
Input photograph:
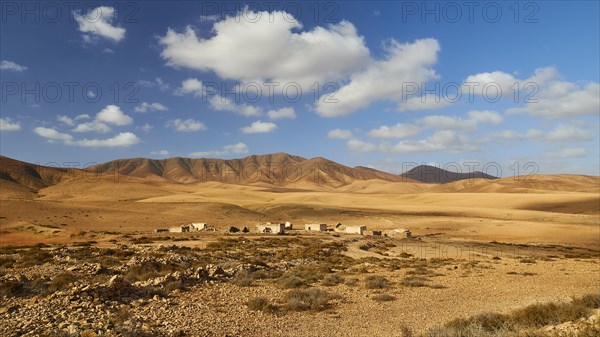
x=514 y=256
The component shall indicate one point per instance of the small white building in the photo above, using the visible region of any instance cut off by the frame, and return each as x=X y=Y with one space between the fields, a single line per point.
x=355 y=229
x=198 y=226
x=288 y=225
x=271 y=228
x=315 y=227
x=179 y=229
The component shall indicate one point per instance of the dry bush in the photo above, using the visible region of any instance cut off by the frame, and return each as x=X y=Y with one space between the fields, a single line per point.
x=61 y=282
x=242 y=279
x=414 y=281
x=351 y=282
x=291 y=281
x=311 y=299
x=262 y=304
x=332 y=280
x=376 y=282
x=383 y=297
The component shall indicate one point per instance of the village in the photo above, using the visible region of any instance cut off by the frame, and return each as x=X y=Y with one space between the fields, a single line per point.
x=281 y=228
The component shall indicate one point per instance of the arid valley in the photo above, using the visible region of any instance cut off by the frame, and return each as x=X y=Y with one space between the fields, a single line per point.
x=84 y=241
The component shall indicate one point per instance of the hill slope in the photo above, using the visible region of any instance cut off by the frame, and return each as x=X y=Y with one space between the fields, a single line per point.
x=435 y=175
x=278 y=169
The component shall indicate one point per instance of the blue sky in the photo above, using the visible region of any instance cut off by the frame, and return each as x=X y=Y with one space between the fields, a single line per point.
x=91 y=82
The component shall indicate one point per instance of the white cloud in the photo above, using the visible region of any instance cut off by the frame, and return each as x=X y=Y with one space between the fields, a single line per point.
x=158 y=82
x=396 y=131
x=226 y=104
x=288 y=113
x=52 y=134
x=146 y=127
x=486 y=116
x=339 y=134
x=93 y=126
x=65 y=120
x=425 y=102
x=438 y=122
x=569 y=133
x=239 y=148
x=439 y=141
x=160 y=153
x=544 y=93
x=385 y=79
x=357 y=145
x=259 y=127
x=145 y=107
x=562 y=133
x=97 y=22
x=188 y=125
x=190 y=86
x=6 y=124
x=568 y=153
x=82 y=116
x=268 y=49
x=107 y=51
x=10 y=65
x=123 y=139
x=112 y=114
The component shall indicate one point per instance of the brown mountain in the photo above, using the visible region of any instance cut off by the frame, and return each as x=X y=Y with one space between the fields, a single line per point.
x=435 y=175
x=32 y=176
x=278 y=169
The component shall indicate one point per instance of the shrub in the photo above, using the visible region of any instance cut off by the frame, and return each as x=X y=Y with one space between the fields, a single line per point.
x=351 y=282
x=242 y=279
x=383 y=297
x=291 y=281
x=332 y=280
x=376 y=282
x=414 y=281
x=261 y=304
x=311 y=299
x=60 y=282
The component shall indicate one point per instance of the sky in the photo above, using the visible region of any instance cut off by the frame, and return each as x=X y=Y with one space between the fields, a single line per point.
x=503 y=87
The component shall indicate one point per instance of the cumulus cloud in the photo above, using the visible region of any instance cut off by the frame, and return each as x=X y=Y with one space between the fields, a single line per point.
x=239 y=148
x=93 y=126
x=226 y=104
x=399 y=130
x=188 y=125
x=384 y=79
x=438 y=122
x=112 y=114
x=98 y=22
x=123 y=139
x=259 y=127
x=424 y=102
x=160 y=153
x=439 y=141
x=544 y=93
x=357 y=145
x=52 y=134
x=562 y=133
x=156 y=83
x=339 y=134
x=146 y=127
x=568 y=153
x=10 y=65
x=65 y=120
x=268 y=49
x=145 y=107
x=190 y=86
x=6 y=124
x=283 y=113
